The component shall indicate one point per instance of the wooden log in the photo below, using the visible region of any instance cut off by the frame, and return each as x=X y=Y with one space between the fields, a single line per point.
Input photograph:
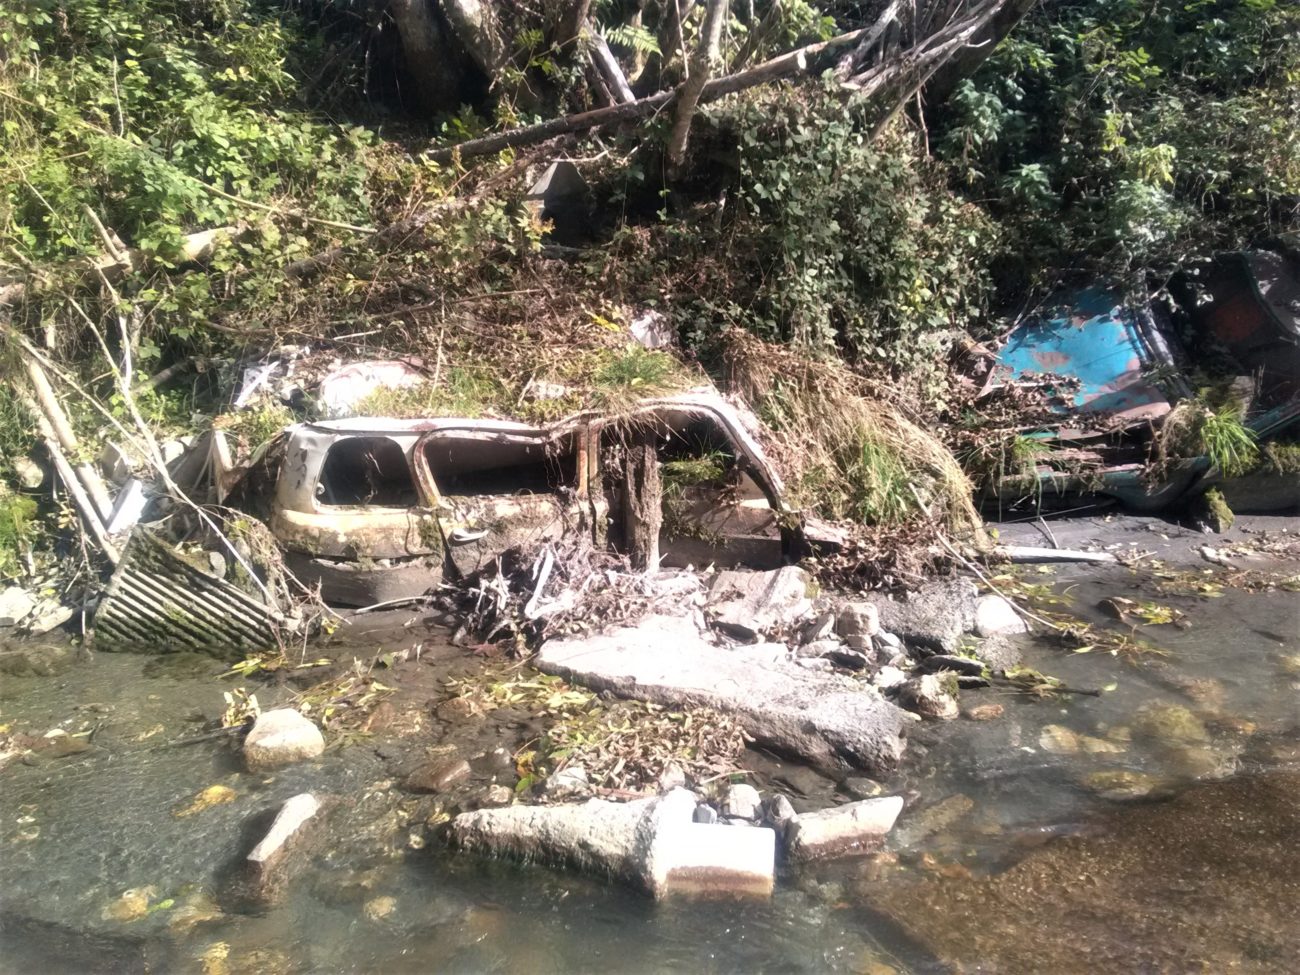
x=70 y=478
x=642 y=501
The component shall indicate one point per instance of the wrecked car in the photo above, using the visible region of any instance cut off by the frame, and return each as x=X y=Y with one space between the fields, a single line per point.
x=376 y=509
x=1112 y=368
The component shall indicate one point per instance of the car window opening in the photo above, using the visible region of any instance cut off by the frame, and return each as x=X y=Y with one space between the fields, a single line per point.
x=367 y=471
x=468 y=467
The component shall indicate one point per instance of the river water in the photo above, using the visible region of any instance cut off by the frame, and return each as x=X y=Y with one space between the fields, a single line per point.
x=1152 y=828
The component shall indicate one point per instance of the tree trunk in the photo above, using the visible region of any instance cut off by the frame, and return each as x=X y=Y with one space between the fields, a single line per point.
x=688 y=99
x=430 y=59
x=981 y=45
x=642 y=502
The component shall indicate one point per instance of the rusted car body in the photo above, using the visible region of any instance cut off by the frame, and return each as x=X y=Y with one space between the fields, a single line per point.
x=1112 y=368
x=377 y=509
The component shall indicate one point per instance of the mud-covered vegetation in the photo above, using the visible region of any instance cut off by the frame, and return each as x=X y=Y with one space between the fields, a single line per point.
x=187 y=187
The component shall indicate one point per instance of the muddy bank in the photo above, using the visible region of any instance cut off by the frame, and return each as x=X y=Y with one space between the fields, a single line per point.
x=1208 y=881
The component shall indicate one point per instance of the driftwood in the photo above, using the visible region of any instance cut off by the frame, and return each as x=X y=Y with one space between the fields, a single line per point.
x=86 y=507
x=921 y=60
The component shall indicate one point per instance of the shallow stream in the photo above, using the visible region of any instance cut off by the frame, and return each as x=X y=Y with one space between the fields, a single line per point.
x=1114 y=830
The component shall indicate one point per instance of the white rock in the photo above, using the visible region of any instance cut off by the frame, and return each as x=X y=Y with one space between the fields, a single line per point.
x=672 y=777
x=571 y=781
x=742 y=801
x=15 y=604
x=889 y=677
x=695 y=859
x=858 y=619
x=291 y=817
x=994 y=616
x=281 y=737
x=855 y=827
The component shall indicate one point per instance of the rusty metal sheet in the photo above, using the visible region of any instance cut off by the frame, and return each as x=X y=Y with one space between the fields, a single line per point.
x=1097 y=340
x=157 y=602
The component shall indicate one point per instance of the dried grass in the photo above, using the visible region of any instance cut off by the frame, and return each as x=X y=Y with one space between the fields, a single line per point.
x=849 y=454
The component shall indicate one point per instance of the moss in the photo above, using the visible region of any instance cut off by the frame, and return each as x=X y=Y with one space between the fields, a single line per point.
x=1215 y=511
x=1280 y=458
x=1212 y=508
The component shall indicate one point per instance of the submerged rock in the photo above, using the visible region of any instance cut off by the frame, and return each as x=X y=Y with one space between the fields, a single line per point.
x=821 y=718
x=1203 y=883
x=271 y=864
x=999 y=653
x=1170 y=724
x=281 y=737
x=928 y=696
x=1122 y=784
x=438 y=776
x=747 y=604
x=855 y=827
x=653 y=844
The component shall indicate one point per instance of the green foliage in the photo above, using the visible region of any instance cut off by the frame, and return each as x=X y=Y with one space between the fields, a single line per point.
x=255 y=426
x=461 y=391
x=1210 y=427
x=1130 y=133
x=850 y=244
x=17 y=531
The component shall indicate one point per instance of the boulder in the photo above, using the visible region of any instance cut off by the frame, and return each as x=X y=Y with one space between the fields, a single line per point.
x=654 y=844
x=747 y=604
x=934 y=617
x=857 y=827
x=823 y=719
x=995 y=616
x=281 y=737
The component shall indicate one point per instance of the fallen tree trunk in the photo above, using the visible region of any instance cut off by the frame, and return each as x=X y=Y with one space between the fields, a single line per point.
x=786 y=65
x=921 y=59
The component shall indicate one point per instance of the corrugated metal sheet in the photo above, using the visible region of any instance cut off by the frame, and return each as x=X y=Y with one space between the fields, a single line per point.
x=158 y=602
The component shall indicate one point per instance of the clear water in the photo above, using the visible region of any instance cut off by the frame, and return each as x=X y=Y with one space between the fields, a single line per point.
x=77 y=832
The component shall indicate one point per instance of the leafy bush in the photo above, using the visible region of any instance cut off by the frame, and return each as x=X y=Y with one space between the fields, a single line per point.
x=847 y=243
x=1133 y=133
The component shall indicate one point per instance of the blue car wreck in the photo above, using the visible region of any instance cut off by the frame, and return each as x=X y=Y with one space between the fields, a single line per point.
x=1110 y=368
